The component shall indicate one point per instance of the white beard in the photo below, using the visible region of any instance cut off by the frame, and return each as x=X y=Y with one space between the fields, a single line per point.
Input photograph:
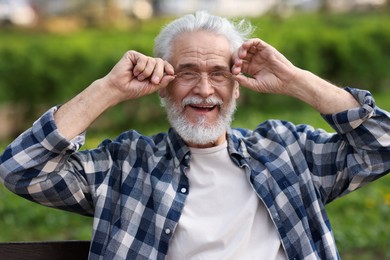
x=200 y=132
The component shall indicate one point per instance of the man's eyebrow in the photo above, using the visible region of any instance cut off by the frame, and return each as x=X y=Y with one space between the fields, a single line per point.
x=187 y=66
x=194 y=66
x=221 y=67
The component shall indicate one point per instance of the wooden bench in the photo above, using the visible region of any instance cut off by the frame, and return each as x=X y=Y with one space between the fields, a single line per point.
x=50 y=250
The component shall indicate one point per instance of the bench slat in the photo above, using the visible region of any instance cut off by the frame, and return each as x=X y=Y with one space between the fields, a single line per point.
x=58 y=250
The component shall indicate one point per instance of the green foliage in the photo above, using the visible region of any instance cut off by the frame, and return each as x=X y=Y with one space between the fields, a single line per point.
x=42 y=69
x=361 y=219
x=21 y=220
x=347 y=49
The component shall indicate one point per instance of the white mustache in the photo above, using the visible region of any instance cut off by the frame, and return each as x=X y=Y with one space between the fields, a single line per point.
x=213 y=101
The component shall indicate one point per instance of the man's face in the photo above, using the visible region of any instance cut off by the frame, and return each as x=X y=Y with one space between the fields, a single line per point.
x=201 y=111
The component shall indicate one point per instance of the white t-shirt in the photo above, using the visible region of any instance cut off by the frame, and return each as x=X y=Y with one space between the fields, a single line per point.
x=223 y=218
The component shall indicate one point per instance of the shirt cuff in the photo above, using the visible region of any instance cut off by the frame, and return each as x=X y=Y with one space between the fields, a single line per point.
x=349 y=120
x=47 y=134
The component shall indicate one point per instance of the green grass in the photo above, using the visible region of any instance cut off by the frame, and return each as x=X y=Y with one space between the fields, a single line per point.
x=360 y=221
x=21 y=220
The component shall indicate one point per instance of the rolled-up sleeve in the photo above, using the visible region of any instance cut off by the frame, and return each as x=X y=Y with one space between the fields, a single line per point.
x=31 y=167
x=367 y=126
x=364 y=155
x=46 y=133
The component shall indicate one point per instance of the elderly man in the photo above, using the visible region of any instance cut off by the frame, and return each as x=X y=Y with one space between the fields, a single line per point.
x=204 y=190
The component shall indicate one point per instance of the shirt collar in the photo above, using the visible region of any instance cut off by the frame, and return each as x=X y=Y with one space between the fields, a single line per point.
x=236 y=144
x=179 y=150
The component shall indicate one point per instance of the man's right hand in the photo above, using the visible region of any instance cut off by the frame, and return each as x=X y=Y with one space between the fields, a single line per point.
x=137 y=75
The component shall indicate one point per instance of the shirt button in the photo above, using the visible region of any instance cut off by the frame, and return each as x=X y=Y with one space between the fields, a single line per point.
x=183 y=190
x=167 y=231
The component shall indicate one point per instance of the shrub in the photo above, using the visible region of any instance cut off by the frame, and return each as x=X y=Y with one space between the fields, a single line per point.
x=42 y=69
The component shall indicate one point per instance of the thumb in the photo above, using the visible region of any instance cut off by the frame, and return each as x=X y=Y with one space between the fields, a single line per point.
x=245 y=81
x=166 y=80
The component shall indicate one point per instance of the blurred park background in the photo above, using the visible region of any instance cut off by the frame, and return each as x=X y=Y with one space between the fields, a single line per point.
x=51 y=50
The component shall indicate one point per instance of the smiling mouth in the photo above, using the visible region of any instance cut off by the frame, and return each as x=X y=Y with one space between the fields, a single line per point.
x=204 y=108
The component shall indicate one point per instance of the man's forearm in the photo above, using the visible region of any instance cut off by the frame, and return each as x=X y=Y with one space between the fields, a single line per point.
x=323 y=96
x=75 y=116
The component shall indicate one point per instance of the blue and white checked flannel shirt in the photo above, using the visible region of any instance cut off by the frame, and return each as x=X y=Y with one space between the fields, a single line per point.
x=135 y=186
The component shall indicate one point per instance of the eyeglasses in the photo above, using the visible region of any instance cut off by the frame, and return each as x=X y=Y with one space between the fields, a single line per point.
x=215 y=78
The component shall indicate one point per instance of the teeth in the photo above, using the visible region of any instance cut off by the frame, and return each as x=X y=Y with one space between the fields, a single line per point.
x=209 y=107
x=204 y=106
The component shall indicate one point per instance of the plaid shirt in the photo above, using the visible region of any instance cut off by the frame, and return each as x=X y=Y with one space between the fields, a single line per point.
x=135 y=186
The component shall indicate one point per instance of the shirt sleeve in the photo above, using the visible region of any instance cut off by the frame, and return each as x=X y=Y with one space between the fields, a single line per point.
x=34 y=166
x=364 y=150
x=46 y=133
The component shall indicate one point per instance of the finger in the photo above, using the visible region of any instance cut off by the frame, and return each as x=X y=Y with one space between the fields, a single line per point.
x=246 y=67
x=166 y=80
x=243 y=50
x=163 y=83
x=238 y=57
x=140 y=64
x=242 y=66
x=245 y=81
x=148 y=69
x=157 y=72
x=168 y=74
x=237 y=66
x=168 y=68
x=251 y=46
x=255 y=42
x=163 y=74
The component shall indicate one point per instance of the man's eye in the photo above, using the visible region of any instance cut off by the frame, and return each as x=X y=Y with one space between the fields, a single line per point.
x=219 y=75
x=188 y=75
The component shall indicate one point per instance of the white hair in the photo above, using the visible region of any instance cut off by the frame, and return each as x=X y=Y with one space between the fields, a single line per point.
x=235 y=33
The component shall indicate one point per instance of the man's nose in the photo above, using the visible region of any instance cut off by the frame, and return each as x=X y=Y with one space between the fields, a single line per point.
x=204 y=88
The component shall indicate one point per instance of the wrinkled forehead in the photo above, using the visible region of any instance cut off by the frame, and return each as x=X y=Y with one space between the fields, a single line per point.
x=200 y=50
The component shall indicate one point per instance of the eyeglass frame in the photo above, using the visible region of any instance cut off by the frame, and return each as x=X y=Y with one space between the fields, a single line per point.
x=198 y=76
